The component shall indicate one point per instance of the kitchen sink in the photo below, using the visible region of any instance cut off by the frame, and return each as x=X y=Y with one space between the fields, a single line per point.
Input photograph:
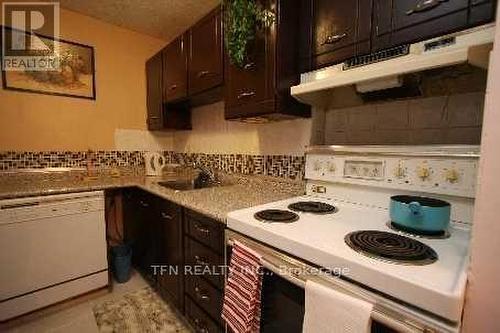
x=187 y=185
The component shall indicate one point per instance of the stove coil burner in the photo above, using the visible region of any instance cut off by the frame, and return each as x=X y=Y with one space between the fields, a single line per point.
x=443 y=234
x=391 y=247
x=314 y=207
x=276 y=215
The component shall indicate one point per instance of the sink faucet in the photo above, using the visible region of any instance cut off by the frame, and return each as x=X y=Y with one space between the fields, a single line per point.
x=206 y=172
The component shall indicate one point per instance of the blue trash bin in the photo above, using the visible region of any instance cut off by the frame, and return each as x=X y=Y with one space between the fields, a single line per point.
x=121 y=256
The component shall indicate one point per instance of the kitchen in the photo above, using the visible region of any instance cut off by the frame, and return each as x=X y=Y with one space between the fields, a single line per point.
x=348 y=151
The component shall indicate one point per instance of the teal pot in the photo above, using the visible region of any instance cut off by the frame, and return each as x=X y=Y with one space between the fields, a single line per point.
x=421 y=214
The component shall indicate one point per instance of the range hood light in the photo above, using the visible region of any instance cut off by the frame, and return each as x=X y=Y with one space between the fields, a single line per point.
x=379 y=84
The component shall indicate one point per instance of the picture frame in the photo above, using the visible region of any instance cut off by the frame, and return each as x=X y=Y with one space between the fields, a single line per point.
x=76 y=78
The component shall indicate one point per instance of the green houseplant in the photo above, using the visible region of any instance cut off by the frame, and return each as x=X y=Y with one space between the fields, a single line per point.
x=242 y=19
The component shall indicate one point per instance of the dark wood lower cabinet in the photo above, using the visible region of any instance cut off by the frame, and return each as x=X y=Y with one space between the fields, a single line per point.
x=169 y=251
x=204 y=249
x=182 y=245
x=140 y=230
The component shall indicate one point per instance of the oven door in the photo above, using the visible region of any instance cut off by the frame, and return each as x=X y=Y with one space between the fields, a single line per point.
x=282 y=305
x=283 y=295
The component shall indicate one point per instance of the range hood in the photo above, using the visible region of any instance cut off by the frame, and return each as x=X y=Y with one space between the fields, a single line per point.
x=391 y=68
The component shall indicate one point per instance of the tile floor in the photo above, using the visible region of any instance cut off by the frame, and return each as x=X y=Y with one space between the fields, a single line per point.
x=72 y=316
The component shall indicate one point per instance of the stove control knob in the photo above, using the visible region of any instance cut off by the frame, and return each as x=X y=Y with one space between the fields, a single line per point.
x=317 y=166
x=423 y=173
x=400 y=172
x=452 y=176
x=331 y=167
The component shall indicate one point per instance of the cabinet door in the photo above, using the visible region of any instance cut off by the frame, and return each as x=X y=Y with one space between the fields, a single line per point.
x=249 y=84
x=205 y=54
x=341 y=29
x=175 y=69
x=149 y=229
x=154 y=101
x=138 y=228
x=170 y=250
x=405 y=21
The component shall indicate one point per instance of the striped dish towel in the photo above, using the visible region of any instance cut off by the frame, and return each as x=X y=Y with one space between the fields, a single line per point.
x=241 y=309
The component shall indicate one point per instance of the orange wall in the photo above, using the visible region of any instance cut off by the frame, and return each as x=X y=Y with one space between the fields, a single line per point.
x=41 y=122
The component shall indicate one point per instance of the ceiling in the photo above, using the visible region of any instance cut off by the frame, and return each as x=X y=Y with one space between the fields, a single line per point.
x=164 y=19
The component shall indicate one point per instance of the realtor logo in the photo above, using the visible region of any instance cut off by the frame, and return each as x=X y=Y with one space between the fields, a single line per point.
x=24 y=25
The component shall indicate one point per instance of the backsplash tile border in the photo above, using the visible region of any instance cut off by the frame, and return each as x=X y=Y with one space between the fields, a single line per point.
x=283 y=166
x=11 y=160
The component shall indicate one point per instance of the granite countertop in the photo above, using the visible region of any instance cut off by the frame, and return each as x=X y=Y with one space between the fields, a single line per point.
x=237 y=192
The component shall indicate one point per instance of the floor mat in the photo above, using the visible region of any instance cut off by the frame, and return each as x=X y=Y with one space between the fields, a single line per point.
x=139 y=311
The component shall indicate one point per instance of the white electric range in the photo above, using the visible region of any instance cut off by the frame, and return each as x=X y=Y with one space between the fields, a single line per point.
x=343 y=224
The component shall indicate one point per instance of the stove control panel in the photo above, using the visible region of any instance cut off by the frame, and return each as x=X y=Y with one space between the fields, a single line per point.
x=440 y=175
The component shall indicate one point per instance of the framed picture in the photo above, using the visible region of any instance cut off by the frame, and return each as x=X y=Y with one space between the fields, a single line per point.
x=74 y=78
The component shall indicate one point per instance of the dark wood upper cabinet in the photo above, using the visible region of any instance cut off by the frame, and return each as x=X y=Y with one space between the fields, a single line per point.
x=406 y=21
x=342 y=29
x=175 y=69
x=249 y=85
x=154 y=100
x=206 y=68
x=260 y=90
x=345 y=29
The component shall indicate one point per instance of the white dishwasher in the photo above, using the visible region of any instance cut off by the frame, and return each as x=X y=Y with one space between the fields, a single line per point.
x=51 y=248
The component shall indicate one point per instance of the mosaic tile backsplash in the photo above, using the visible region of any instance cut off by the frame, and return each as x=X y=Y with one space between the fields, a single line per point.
x=284 y=166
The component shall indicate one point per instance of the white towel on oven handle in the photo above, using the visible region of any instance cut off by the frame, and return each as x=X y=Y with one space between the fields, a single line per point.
x=330 y=311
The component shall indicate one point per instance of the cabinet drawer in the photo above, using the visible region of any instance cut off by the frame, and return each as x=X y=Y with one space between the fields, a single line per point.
x=201 y=322
x=202 y=258
x=206 y=231
x=205 y=295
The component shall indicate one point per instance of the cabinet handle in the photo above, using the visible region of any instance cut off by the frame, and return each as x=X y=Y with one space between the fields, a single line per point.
x=425 y=5
x=166 y=216
x=202 y=229
x=144 y=204
x=154 y=118
x=249 y=66
x=200 y=261
x=200 y=294
x=173 y=87
x=246 y=94
x=202 y=74
x=332 y=39
x=199 y=326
